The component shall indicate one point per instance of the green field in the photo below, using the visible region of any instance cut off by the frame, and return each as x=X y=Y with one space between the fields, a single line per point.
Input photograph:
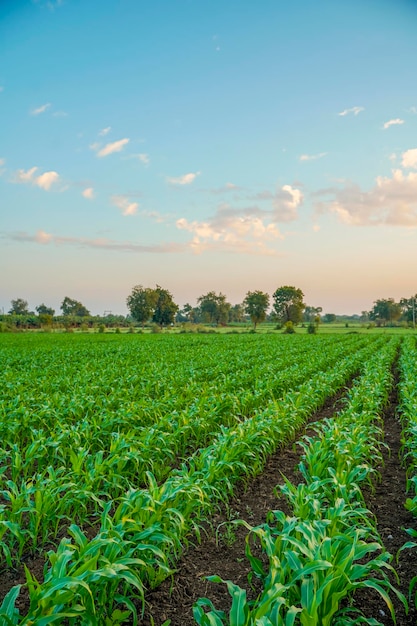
x=115 y=448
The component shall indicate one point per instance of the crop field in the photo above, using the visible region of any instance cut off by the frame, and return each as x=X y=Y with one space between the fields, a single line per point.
x=121 y=454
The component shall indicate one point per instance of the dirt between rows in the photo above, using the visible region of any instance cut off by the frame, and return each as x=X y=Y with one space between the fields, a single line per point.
x=222 y=549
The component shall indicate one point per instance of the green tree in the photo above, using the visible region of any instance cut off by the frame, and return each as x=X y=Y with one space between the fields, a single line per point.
x=42 y=309
x=311 y=312
x=385 y=311
x=237 y=313
x=214 y=307
x=329 y=318
x=409 y=309
x=165 y=308
x=288 y=304
x=73 y=308
x=19 y=307
x=141 y=303
x=256 y=304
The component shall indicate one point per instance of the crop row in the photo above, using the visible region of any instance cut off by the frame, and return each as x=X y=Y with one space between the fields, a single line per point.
x=57 y=478
x=141 y=534
x=407 y=391
x=329 y=547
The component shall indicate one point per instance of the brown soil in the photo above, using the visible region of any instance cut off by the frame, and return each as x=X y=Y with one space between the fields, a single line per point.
x=222 y=551
x=222 y=547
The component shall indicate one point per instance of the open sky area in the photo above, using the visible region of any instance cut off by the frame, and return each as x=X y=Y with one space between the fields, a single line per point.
x=229 y=145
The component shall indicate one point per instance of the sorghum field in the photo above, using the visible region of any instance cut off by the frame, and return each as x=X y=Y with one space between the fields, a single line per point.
x=282 y=467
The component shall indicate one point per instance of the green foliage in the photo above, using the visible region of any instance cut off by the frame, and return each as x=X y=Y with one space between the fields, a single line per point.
x=289 y=328
x=71 y=307
x=19 y=307
x=42 y=309
x=288 y=304
x=165 y=308
x=255 y=305
x=141 y=303
x=214 y=308
x=94 y=433
x=385 y=311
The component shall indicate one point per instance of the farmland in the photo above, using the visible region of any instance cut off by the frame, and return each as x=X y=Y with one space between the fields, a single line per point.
x=118 y=450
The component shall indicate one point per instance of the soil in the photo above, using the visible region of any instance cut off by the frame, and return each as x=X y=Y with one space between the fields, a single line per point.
x=222 y=549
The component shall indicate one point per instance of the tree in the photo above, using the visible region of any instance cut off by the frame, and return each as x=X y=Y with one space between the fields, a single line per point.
x=19 y=307
x=385 y=311
x=329 y=318
x=141 y=303
x=165 y=308
x=237 y=313
x=409 y=309
x=311 y=312
x=288 y=304
x=42 y=309
x=73 y=308
x=214 y=307
x=256 y=304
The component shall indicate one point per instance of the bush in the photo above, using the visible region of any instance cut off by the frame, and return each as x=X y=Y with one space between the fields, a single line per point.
x=311 y=329
x=289 y=328
x=117 y=331
x=101 y=328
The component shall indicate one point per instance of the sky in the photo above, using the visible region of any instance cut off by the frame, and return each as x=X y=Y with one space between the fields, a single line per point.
x=223 y=146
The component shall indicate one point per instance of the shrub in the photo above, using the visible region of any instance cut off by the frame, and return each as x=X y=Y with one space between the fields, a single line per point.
x=289 y=328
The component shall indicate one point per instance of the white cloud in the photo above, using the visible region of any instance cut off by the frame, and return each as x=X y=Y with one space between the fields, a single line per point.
x=124 y=205
x=392 y=201
x=110 y=148
x=227 y=188
x=41 y=237
x=409 y=159
x=60 y=114
x=312 y=157
x=105 y=131
x=41 y=109
x=44 y=181
x=239 y=230
x=187 y=179
x=88 y=193
x=142 y=157
x=354 y=110
x=395 y=122
x=2 y=162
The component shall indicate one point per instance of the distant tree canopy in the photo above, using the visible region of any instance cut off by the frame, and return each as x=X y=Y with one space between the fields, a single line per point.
x=141 y=303
x=157 y=304
x=288 y=304
x=214 y=307
x=409 y=308
x=165 y=308
x=19 y=307
x=385 y=311
x=311 y=313
x=42 y=309
x=255 y=305
x=329 y=318
x=73 y=308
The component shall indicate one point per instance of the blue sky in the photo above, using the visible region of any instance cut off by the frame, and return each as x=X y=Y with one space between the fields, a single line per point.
x=223 y=145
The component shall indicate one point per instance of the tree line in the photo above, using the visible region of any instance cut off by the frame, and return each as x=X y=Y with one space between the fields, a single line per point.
x=156 y=305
